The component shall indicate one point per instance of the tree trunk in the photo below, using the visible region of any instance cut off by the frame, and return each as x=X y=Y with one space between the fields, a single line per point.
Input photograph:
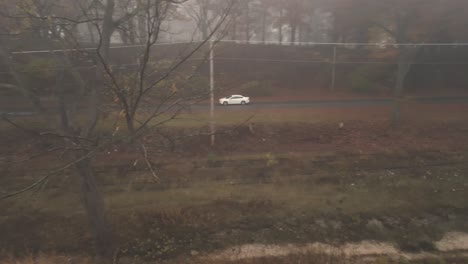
x=84 y=93
x=406 y=57
x=247 y=23
x=92 y=199
x=205 y=34
x=280 y=28
x=131 y=31
x=108 y=29
x=264 y=17
x=203 y=23
x=130 y=124
x=293 y=32
x=124 y=36
x=300 y=34
x=141 y=20
x=402 y=71
x=362 y=34
x=92 y=38
x=234 y=28
x=94 y=206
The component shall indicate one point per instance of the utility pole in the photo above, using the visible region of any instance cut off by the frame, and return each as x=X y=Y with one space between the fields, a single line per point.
x=212 y=103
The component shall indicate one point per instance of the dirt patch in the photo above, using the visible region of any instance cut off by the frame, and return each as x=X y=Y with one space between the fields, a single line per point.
x=450 y=242
x=366 y=248
x=453 y=241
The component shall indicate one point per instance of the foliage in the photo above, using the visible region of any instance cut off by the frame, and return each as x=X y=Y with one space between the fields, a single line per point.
x=257 y=88
x=196 y=85
x=271 y=160
x=368 y=78
x=39 y=70
x=213 y=161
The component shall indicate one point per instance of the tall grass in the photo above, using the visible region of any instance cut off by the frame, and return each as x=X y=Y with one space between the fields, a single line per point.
x=48 y=259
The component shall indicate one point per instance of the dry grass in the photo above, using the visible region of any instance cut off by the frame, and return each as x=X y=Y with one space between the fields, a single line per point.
x=299 y=259
x=297 y=194
x=411 y=113
x=279 y=116
x=306 y=259
x=285 y=206
x=292 y=259
x=48 y=259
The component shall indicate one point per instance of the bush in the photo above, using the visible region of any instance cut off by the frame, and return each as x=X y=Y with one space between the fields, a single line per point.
x=370 y=78
x=257 y=88
x=38 y=73
x=196 y=86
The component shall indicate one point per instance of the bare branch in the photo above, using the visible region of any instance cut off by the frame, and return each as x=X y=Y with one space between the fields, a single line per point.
x=36 y=155
x=44 y=153
x=46 y=177
x=29 y=131
x=37 y=183
x=181 y=62
x=38 y=134
x=148 y=162
x=386 y=29
x=65 y=136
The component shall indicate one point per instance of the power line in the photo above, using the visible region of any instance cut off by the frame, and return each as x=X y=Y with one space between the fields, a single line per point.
x=383 y=45
x=336 y=62
x=341 y=44
x=94 y=48
x=248 y=59
x=94 y=66
x=269 y=60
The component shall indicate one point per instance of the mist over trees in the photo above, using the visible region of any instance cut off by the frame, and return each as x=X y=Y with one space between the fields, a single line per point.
x=337 y=21
x=80 y=34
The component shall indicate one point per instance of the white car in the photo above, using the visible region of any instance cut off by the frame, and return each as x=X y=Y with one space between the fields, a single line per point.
x=235 y=99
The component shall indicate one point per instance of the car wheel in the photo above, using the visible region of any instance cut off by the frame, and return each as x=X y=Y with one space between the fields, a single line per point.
x=225 y=103
x=243 y=103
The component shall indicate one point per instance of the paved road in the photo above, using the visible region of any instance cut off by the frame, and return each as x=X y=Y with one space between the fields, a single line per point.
x=352 y=103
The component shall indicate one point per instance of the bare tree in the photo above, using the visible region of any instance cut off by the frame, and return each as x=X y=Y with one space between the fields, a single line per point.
x=409 y=23
x=295 y=12
x=130 y=96
x=201 y=12
x=80 y=111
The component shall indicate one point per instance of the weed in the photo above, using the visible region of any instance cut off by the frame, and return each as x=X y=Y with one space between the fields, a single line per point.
x=257 y=88
x=365 y=79
x=271 y=160
x=213 y=162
